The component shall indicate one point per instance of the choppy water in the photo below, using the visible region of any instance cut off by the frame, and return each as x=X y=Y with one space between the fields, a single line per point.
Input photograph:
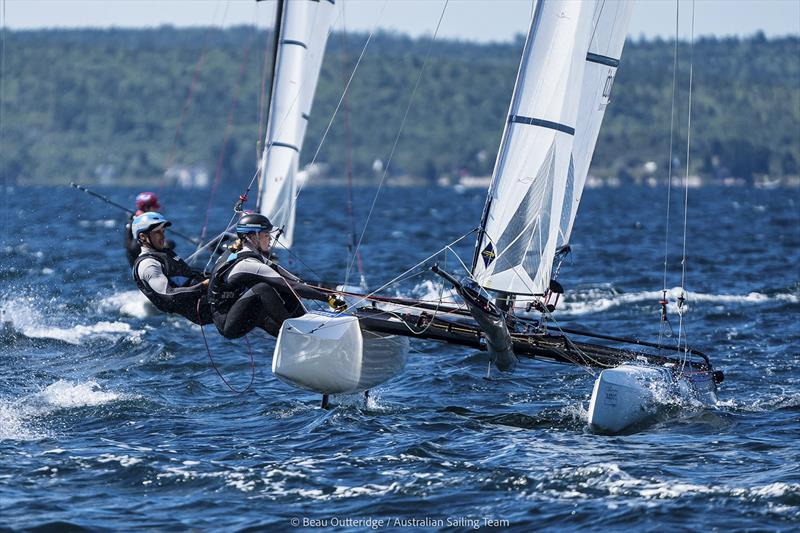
x=113 y=418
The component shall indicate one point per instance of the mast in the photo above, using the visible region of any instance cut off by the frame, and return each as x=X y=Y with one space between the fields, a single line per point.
x=301 y=39
x=519 y=228
x=275 y=44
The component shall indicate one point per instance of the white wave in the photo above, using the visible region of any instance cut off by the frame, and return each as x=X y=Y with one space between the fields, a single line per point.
x=66 y=394
x=123 y=460
x=771 y=403
x=584 y=482
x=24 y=316
x=601 y=299
x=788 y=297
x=13 y=424
x=19 y=419
x=129 y=303
x=76 y=334
x=428 y=290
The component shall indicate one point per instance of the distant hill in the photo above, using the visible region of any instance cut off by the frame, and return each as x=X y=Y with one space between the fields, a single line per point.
x=124 y=105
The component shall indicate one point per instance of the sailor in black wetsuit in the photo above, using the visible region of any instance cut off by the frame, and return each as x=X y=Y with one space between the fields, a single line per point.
x=167 y=281
x=248 y=290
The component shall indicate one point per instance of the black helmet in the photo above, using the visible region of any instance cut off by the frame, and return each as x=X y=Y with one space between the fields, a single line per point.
x=253 y=223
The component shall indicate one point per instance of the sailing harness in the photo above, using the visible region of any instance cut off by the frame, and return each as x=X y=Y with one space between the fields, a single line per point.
x=222 y=294
x=174 y=269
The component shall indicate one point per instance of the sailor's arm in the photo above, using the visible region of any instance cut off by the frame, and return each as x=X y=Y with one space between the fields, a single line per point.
x=151 y=273
x=251 y=272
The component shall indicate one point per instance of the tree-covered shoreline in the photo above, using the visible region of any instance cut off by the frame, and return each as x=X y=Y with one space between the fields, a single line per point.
x=123 y=106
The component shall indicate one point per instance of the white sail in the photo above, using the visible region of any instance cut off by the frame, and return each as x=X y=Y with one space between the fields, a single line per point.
x=317 y=40
x=303 y=35
x=520 y=224
x=609 y=26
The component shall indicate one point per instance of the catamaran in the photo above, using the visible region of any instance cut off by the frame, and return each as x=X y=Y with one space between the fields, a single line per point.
x=563 y=86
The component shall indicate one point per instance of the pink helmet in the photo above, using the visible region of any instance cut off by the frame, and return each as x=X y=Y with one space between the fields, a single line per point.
x=147 y=200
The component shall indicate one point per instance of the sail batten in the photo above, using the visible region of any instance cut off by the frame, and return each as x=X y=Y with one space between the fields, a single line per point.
x=603 y=60
x=518 y=119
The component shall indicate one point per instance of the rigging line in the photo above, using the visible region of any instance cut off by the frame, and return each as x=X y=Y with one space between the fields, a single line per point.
x=341 y=98
x=214 y=365
x=214 y=240
x=419 y=263
x=464 y=266
x=669 y=168
x=351 y=239
x=581 y=364
x=400 y=131
x=230 y=223
x=400 y=276
x=435 y=311
x=190 y=95
x=681 y=328
x=599 y=16
x=228 y=132
x=299 y=259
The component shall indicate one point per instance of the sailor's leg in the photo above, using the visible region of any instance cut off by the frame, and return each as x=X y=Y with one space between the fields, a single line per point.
x=245 y=314
x=273 y=307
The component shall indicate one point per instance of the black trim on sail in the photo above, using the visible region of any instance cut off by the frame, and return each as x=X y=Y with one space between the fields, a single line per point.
x=285 y=145
x=297 y=43
x=603 y=60
x=305 y=116
x=519 y=119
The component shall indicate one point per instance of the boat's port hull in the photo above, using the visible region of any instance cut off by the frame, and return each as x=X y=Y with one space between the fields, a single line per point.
x=625 y=396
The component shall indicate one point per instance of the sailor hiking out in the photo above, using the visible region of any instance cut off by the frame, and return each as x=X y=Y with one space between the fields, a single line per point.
x=164 y=278
x=248 y=290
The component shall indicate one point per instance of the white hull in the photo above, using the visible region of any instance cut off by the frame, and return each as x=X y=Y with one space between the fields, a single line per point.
x=626 y=395
x=329 y=354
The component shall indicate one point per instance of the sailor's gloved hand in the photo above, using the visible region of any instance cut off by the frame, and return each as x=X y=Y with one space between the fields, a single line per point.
x=337 y=303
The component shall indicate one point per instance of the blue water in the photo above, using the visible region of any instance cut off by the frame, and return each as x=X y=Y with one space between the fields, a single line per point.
x=111 y=417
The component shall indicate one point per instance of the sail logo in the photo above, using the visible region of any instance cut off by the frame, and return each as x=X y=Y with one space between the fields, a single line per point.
x=488 y=255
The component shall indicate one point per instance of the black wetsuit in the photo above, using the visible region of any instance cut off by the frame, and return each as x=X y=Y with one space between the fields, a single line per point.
x=247 y=291
x=171 y=285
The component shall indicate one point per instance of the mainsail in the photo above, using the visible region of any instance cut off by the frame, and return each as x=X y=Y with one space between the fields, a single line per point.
x=303 y=34
x=534 y=166
x=609 y=26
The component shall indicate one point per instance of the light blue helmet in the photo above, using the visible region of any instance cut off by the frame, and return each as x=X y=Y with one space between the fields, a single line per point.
x=146 y=222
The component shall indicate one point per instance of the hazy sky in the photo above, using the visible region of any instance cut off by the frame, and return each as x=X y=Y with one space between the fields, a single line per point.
x=480 y=20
